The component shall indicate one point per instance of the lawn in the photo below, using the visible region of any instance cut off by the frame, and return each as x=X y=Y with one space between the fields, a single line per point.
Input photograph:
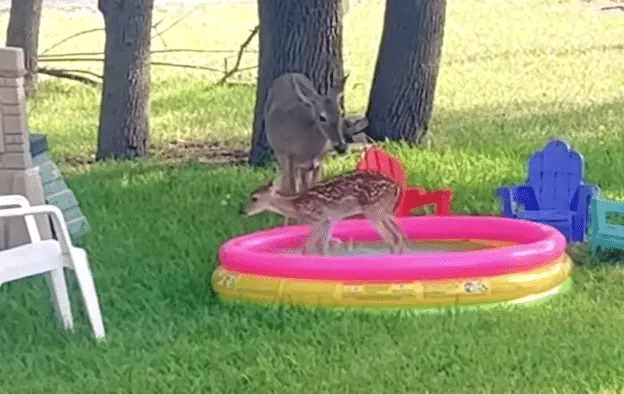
x=513 y=74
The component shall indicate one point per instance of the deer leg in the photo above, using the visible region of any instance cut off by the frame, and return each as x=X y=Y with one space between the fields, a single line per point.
x=380 y=223
x=313 y=176
x=288 y=182
x=317 y=230
x=306 y=179
x=317 y=174
x=325 y=236
x=399 y=236
x=301 y=183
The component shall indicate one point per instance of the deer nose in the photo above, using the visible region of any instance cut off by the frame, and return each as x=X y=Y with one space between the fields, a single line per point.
x=341 y=148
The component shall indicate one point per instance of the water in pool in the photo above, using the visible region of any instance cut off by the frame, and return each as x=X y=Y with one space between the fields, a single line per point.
x=413 y=247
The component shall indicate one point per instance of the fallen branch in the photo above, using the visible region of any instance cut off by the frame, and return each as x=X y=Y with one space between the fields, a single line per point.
x=71 y=75
x=248 y=68
x=80 y=33
x=181 y=50
x=167 y=64
x=98 y=29
x=158 y=34
x=185 y=66
x=71 y=59
x=239 y=56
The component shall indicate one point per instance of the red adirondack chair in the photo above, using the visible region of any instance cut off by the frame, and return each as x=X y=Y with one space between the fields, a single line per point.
x=413 y=197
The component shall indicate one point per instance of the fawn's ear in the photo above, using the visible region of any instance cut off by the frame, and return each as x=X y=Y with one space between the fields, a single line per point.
x=262 y=188
x=272 y=186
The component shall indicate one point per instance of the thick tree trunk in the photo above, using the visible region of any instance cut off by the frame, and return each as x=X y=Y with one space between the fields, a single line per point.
x=124 y=113
x=406 y=73
x=23 y=32
x=295 y=36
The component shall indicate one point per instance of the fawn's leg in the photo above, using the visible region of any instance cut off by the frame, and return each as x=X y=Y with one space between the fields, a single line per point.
x=386 y=234
x=319 y=237
x=313 y=177
x=399 y=235
x=325 y=236
x=316 y=233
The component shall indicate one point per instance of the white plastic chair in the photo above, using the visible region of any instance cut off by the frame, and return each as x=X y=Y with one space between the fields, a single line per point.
x=49 y=257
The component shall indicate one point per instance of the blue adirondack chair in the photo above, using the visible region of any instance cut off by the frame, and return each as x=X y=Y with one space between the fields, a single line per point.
x=603 y=233
x=554 y=193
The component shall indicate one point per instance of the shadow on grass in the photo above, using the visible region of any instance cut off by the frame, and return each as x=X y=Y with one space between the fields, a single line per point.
x=156 y=228
x=536 y=52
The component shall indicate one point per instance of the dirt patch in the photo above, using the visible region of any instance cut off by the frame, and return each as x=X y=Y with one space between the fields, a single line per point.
x=207 y=152
x=210 y=152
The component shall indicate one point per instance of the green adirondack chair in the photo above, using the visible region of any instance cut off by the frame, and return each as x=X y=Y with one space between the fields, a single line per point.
x=603 y=233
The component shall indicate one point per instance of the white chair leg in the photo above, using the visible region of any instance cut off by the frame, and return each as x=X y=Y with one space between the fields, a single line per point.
x=89 y=295
x=60 y=297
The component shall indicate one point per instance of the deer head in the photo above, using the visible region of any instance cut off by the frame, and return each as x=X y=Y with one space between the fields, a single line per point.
x=326 y=112
x=260 y=200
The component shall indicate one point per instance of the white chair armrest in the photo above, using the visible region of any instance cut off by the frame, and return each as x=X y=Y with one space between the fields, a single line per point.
x=58 y=222
x=14 y=200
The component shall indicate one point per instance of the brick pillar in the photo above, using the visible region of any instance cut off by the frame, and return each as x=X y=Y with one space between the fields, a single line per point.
x=17 y=174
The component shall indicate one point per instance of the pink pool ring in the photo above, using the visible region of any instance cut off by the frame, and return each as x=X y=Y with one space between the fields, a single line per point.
x=526 y=248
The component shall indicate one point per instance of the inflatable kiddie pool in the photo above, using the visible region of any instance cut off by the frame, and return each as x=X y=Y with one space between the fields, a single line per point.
x=450 y=261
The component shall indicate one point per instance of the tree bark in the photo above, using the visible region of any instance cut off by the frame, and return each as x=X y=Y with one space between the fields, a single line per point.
x=23 y=32
x=124 y=110
x=295 y=36
x=406 y=73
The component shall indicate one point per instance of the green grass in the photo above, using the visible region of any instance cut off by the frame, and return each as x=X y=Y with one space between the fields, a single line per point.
x=513 y=74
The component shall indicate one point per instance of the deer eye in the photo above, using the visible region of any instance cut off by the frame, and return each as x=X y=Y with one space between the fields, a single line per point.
x=254 y=199
x=323 y=117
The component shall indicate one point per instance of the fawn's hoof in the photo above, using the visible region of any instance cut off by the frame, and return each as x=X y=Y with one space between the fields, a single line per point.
x=335 y=243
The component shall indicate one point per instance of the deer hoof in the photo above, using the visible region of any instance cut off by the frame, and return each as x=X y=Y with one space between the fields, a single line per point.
x=335 y=243
x=307 y=250
x=397 y=249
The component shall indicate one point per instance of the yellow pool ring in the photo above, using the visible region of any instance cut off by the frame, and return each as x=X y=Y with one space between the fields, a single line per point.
x=516 y=287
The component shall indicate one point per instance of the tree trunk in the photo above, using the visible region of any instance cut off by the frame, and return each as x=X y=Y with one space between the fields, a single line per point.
x=295 y=36
x=401 y=99
x=23 y=32
x=124 y=111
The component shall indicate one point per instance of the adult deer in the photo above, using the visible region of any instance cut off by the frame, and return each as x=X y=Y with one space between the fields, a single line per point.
x=302 y=126
x=299 y=124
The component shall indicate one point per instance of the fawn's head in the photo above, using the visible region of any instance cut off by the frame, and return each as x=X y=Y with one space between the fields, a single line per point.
x=326 y=111
x=260 y=200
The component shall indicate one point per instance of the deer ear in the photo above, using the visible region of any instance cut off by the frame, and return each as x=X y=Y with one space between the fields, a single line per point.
x=344 y=81
x=304 y=99
x=337 y=90
x=274 y=185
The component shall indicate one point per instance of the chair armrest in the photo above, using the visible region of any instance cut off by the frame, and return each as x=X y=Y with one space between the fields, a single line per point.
x=11 y=200
x=516 y=194
x=584 y=194
x=580 y=206
x=58 y=222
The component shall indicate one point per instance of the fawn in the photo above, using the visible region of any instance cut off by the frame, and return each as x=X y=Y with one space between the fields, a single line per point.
x=371 y=194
